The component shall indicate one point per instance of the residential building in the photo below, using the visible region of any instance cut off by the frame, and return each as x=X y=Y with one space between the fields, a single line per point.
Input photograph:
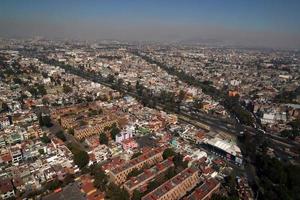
x=119 y=174
x=6 y=189
x=176 y=187
x=149 y=174
x=205 y=190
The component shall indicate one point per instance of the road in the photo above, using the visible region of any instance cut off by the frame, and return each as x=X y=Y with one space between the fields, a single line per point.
x=199 y=119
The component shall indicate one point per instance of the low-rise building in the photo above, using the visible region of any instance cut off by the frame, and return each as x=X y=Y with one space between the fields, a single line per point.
x=205 y=190
x=149 y=174
x=176 y=187
x=119 y=174
x=6 y=189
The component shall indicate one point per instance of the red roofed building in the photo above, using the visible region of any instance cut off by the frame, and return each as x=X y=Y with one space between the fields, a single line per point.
x=176 y=187
x=205 y=190
x=119 y=174
x=115 y=162
x=142 y=180
x=6 y=158
x=129 y=144
x=6 y=189
x=87 y=187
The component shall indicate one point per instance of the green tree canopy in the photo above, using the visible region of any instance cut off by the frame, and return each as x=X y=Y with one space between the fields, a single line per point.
x=81 y=159
x=71 y=131
x=61 y=135
x=134 y=173
x=137 y=195
x=168 y=153
x=100 y=179
x=67 y=89
x=45 y=139
x=114 y=192
x=114 y=131
x=103 y=138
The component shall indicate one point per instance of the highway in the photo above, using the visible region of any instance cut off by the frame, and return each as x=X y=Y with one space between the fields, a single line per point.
x=200 y=119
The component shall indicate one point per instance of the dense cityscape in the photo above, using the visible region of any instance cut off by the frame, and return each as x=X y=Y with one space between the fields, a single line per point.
x=123 y=121
x=146 y=120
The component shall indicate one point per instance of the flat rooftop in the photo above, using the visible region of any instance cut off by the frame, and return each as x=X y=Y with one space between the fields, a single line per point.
x=149 y=173
x=170 y=184
x=70 y=192
x=136 y=161
x=203 y=190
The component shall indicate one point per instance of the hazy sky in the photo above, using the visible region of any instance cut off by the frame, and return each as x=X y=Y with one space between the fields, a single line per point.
x=270 y=23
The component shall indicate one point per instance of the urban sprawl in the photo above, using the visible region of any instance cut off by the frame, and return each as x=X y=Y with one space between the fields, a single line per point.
x=114 y=120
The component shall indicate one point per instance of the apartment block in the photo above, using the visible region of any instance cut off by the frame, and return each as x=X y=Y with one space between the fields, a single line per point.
x=176 y=187
x=149 y=174
x=205 y=190
x=119 y=174
x=93 y=130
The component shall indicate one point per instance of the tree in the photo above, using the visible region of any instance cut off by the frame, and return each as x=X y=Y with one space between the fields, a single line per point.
x=38 y=89
x=181 y=96
x=45 y=120
x=129 y=87
x=81 y=159
x=41 y=151
x=295 y=124
x=137 y=154
x=285 y=185
x=5 y=107
x=71 y=131
x=134 y=173
x=69 y=178
x=110 y=78
x=41 y=89
x=45 y=101
x=100 y=180
x=170 y=173
x=168 y=153
x=45 y=139
x=113 y=192
x=67 y=89
x=198 y=103
x=82 y=123
x=231 y=183
x=103 y=138
x=61 y=135
x=137 y=195
x=120 y=83
x=53 y=185
x=17 y=80
x=114 y=131
x=153 y=185
x=179 y=163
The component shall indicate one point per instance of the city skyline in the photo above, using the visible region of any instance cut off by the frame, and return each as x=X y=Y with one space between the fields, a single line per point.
x=249 y=23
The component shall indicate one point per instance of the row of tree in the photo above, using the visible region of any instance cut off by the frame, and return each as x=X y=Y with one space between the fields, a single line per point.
x=168 y=100
x=231 y=104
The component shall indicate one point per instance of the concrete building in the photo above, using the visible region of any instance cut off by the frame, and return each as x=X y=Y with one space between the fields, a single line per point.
x=93 y=130
x=205 y=190
x=119 y=174
x=6 y=189
x=149 y=174
x=176 y=187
